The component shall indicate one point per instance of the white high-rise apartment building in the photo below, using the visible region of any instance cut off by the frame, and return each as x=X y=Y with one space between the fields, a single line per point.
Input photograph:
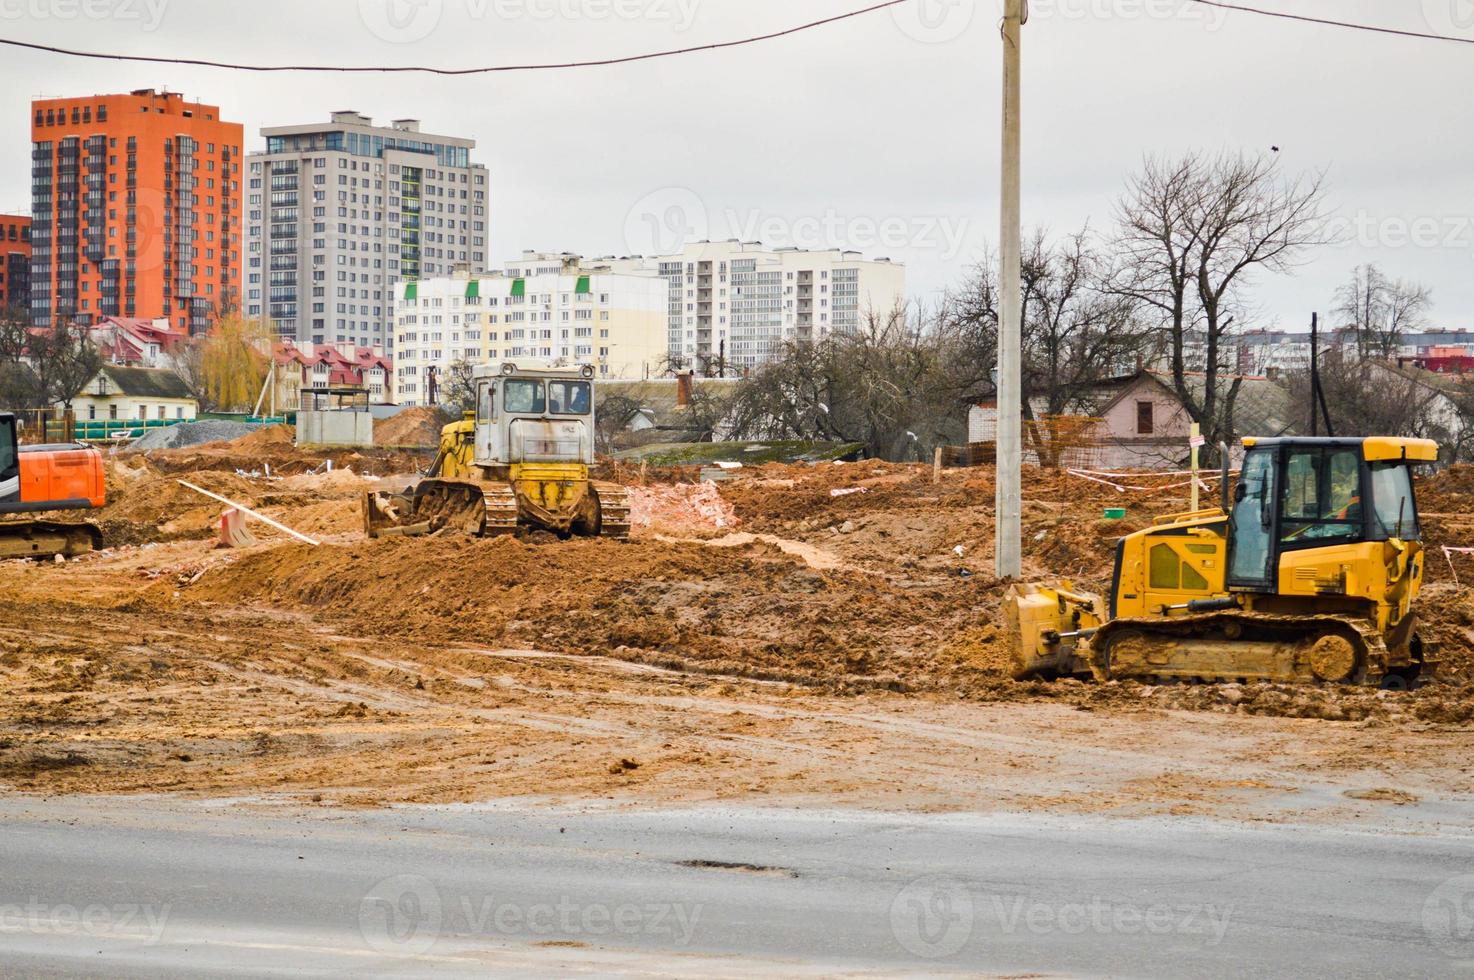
x=733 y=303
x=545 y=309
x=337 y=214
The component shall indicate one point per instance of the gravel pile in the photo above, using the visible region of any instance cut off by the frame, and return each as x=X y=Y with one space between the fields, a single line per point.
x=192 y=434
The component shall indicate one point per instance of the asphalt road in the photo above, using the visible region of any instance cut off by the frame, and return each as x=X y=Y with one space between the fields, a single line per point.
x=158 y=888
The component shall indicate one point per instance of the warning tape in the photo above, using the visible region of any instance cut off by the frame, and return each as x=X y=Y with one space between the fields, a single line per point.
x=1448 y=553
x=1095 y=477
x=1205 y=473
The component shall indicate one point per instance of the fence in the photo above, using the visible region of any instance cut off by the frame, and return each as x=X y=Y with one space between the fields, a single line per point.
x=1051 y=441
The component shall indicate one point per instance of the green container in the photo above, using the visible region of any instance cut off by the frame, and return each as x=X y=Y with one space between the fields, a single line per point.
x=1115 y=513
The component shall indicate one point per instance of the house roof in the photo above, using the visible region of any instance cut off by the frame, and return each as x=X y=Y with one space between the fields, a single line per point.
x=1263 y=408
x=145 y=382
x=658 y=399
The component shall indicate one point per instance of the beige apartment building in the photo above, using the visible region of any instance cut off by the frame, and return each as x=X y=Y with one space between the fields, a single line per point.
x=732 y=304
x=554 y=310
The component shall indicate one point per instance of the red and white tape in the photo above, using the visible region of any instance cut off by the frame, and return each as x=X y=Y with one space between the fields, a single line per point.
x=1448 y=553
x=1109 y=479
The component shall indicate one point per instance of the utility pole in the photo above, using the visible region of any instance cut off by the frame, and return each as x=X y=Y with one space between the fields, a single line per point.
x=1008 y=518
x=1317 y=396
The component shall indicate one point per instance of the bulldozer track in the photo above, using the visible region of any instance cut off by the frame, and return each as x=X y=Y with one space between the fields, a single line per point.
x=1370 y=667
x=500 y=504
x=614 y=510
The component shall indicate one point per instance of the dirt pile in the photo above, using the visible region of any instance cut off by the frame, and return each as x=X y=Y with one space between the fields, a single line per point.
x=680 y=508
x=271 y=438
x=751 y=611
x=272 y=452
x=149 y=507
x=411 y=427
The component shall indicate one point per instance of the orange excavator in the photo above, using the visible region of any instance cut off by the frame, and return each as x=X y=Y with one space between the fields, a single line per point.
x=38 y=479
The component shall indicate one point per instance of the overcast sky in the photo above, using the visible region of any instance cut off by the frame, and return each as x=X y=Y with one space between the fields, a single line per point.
x=879 y=133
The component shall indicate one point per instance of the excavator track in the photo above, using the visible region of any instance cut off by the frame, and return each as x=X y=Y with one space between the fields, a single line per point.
x=1229 y=647
x=614 y=510
x=46 y=539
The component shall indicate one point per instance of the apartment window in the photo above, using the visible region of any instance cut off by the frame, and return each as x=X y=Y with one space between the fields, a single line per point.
x=1144 y=420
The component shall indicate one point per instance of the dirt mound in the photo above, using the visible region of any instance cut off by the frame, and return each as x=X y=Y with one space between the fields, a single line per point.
x=411 y=427
x=151 y=508
x=271 y=437
x=684 y=507
x=749 y=611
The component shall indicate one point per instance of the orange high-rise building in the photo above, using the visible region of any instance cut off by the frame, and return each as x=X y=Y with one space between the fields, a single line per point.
x=136 y=209
x=15 y=260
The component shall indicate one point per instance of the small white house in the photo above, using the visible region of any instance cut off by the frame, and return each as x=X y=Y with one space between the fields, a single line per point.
x=134 y=394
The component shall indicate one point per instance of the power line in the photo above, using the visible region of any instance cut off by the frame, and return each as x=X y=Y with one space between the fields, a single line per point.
x=197 y=62
x=1283 y=15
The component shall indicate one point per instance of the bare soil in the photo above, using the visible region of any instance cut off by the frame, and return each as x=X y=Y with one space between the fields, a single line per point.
x=767 y=639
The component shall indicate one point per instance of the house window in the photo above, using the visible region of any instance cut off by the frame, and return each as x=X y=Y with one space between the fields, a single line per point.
x=1144 y=421
x=112 y=412
x=143 y=413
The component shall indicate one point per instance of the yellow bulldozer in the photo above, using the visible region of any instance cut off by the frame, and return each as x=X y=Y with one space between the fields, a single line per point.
x=1307 y=573
x=520 y=460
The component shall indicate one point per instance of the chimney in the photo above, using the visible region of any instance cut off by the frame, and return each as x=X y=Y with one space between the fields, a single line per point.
x=683 y=390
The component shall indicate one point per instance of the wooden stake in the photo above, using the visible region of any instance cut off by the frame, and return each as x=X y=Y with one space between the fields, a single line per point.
x=936 y=466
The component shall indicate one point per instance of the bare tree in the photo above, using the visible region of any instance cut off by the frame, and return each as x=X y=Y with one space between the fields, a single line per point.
x=15 y=333
x=1365 y=398
x=889 y=384
x=1380 y=311
x=63 y=360
x=612 y=415
x=458 y=390
x=1076 y=331
x=1193 y=233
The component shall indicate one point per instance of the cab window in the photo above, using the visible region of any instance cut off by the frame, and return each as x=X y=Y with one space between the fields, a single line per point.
x=568 y=397
x=7 y=447
x=1321 y=498
x=1392 y=501
x=486 y=403
x=524 y=396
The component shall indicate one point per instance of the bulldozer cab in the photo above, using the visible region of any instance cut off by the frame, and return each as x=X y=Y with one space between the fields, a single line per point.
x=1299 y=494
x=534 y=416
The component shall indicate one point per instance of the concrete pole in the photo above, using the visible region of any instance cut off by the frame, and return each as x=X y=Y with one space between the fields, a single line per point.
x=1008 y=510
